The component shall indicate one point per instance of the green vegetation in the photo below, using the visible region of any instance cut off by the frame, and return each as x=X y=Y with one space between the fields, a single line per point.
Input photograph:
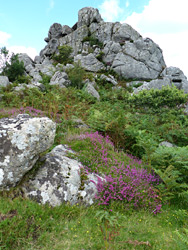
x=124 y=130
x=76 y=75
x=64 y=55
x=11 y=66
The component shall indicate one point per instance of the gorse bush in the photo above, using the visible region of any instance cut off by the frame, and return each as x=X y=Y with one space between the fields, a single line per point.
x=64 y=55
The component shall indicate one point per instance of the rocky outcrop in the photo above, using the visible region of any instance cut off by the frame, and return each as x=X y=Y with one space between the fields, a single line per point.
x=87 y=16
x=59 y=180
x=22 y=139
x=100 y=45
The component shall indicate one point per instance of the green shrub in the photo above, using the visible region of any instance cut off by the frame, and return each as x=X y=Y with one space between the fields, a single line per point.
x=93 y=41
x=64 y=55
x=171 y=164
x=76 y=75
x=166 y=97
x=14 y=69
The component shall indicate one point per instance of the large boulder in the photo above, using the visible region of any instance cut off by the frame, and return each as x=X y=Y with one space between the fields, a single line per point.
x=61 y=179
x=55 y=31
x=142 y=59
x=88 y=15
x=22 y=139
x=4 y=81
x=23 y=57
x=89 y=62
x=90 y=89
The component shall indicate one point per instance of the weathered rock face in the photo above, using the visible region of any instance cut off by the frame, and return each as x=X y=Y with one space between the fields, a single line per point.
x=141 y=59
x=55 y=31
x=25 y=59
x=4 y=81
x=88 y=15
x=89 y=62
x=177 y=77
x=59 y=180
x=22 y=139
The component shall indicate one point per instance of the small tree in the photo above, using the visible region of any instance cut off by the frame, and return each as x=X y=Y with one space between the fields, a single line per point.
x=10 y=65
x=5 y=57
x=64 y=55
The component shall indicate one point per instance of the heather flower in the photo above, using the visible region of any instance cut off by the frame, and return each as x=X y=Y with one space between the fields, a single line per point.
x=128 y=183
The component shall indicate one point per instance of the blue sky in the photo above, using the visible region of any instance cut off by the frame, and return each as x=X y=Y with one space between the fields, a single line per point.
x=25 y=24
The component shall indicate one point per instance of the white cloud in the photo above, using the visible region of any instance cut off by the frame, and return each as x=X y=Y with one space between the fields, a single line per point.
x=110 y=10
x=166 y=23
x=127 y=4
x=51 y=5
x=32 y=52
x=4 y=38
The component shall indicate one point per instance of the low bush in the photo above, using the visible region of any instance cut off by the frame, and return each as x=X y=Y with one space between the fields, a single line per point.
x=166 y=97
x=64 y=55
x=76 y=75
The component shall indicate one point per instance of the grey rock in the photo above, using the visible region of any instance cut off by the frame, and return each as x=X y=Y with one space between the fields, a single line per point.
x=142 y=59
x=89 y=87
x=55 y=31
x=34 y=84
x=37 y=59
x=109 y=79
x=50 y=49
x=177 y=77
x=167 y=144
x=22 y=139
x=79 y=123
x=88 y=15
x=89 y=62
x=59 y=181
x=186 y=109
x=75 y=39
x=46 y=69
x=154 y=84
x=66 y=30
x=4 y=81
x=34 y=73
x=60 y=79
x=111 y=49
x=124 y=32
x=103 y=31
x=25 y=59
